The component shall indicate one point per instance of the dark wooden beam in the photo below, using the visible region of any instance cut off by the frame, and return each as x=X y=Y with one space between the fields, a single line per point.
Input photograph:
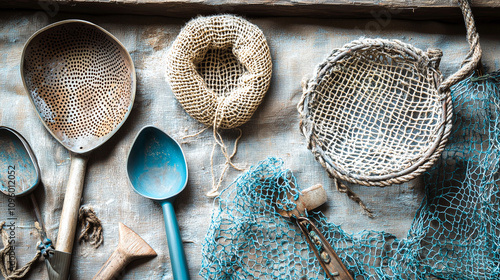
x=402 y=9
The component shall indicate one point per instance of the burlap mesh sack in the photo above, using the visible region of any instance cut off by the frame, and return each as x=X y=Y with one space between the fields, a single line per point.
x=219 y=68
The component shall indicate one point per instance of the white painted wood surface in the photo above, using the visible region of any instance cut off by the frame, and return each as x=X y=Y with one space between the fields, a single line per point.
x=297 y=46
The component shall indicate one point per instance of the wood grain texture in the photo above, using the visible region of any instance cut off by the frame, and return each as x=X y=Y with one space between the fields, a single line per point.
x=130 y=247
x=311 y=198
x=297 y=46
x=415 y=9
x=72 y=198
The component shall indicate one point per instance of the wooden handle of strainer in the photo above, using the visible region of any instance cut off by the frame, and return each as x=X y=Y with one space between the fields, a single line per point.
x=69 y=214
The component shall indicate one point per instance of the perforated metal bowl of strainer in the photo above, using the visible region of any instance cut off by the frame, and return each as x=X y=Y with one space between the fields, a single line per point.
x=81 y=80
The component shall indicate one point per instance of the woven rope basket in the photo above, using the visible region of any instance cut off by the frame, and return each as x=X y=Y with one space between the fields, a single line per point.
x=219 y=68
x=374 y=114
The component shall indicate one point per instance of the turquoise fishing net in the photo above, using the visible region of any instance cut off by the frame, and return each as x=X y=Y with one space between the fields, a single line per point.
x=454 y=235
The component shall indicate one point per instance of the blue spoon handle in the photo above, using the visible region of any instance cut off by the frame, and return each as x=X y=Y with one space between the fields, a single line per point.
x=177 y=256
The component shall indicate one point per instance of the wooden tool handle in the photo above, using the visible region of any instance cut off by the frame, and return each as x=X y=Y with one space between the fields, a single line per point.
x=112 y=267
x=69 y=214
x=130 y=247
x=309 y=199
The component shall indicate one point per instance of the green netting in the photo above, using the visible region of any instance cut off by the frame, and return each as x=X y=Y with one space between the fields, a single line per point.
x=455 y=233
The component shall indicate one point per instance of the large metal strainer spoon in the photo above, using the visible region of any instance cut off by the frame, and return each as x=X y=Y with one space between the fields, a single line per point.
x=81 y=81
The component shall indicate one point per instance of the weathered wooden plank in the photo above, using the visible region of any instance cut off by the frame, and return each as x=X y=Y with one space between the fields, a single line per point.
x=417 y=9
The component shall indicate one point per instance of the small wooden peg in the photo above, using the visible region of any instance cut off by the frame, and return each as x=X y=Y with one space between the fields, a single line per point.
x=309 y=199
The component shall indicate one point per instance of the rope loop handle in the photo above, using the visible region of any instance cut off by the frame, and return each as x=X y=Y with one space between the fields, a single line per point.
x=473 y=56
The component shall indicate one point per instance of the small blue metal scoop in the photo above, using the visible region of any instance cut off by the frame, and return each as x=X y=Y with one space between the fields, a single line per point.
x=20 y=173
x=157 y=170
x=19 y=176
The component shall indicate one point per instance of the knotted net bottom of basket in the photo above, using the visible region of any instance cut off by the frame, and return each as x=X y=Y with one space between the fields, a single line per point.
x=455 y=233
